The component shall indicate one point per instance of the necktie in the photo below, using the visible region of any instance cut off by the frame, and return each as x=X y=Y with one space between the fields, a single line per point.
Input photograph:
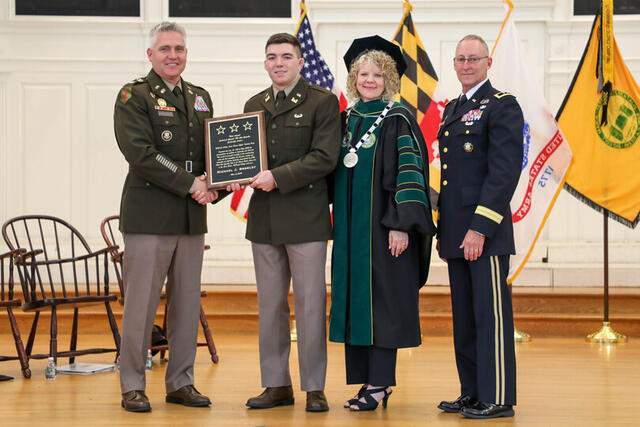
x=280 y=97
x=460 y=103
x=178 y=93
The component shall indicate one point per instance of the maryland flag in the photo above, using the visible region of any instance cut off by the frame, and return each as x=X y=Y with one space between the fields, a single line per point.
x=546 y=152
x=419 y=92
x=600 y=118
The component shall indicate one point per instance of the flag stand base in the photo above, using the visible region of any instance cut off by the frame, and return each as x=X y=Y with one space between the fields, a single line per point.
x=519 y=336
x=294 y=331
x=606 y=335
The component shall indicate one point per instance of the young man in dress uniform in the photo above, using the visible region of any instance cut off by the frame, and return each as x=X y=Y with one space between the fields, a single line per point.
x=289 y=224
x=481 y=154
x=159 y=126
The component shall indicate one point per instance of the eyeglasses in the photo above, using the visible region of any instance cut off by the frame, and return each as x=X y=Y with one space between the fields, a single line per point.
x=472 y=60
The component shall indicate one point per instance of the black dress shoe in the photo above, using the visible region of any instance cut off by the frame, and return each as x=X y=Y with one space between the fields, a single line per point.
x=135 y=401
x=272 y=396
x=316 y=402
x=457 y=405
x=483 y=410
x=188 y=396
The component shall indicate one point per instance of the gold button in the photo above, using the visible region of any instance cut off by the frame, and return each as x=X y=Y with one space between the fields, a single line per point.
x=444 y=182
x=467 y=132
x=445 y=149
x=444 y=166
x=446 y=133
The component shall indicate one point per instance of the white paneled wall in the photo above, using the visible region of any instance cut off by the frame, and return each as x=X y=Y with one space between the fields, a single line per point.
x=59 y=77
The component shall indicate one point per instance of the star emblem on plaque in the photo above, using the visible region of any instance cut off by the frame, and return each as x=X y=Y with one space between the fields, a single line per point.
x=237 y=155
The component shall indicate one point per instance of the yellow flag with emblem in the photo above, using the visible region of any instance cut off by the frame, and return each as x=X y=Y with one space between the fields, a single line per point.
x=600 y=119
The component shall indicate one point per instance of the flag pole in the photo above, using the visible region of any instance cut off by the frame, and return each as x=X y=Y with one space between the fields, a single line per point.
x=606 y=334
x=518 y=336
x=508 y=2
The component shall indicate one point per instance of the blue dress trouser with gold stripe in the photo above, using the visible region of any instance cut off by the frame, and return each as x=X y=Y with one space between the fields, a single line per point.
x=483 y=328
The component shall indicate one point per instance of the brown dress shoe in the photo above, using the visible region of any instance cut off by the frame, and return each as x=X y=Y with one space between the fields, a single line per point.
x=272 y=396
x=188 y=396
x=316 y=402
x=135 y=401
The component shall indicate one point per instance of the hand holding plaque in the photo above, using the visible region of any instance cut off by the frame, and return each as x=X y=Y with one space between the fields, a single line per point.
x=235 y=149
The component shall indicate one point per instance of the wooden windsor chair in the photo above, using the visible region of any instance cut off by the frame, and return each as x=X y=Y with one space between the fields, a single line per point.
x=59 y=271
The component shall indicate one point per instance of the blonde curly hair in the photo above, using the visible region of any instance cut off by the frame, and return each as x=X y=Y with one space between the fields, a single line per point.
x=389 y=72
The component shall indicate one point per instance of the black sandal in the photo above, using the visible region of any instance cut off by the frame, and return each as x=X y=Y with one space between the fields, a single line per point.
x=353 y=400
x=370 y=403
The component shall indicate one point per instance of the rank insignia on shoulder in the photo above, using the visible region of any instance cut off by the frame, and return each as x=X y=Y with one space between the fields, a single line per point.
x=502 y=94
x=125 y=95
x=267 y=97
x=200 y=104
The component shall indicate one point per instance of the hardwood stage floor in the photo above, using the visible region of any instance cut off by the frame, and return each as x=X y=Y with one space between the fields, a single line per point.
x=561 y=382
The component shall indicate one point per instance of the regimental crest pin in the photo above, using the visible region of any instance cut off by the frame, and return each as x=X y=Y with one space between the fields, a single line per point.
x=166 y=135
x=162 y=102
x=468 y=147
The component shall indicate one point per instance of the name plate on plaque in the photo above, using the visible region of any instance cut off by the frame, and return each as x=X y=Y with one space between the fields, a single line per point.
x=235 y=149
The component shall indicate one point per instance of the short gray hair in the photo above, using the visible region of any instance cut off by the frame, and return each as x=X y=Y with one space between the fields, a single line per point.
x=475 y=37
x=164 y=27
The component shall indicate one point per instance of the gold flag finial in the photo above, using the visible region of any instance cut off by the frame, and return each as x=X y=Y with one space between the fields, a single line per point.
x=406 y=7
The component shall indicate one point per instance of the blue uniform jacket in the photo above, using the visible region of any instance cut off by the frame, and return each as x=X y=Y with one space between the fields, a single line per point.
x=481 y=159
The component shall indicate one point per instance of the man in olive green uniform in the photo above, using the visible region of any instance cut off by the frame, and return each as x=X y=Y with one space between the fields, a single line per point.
x=158 y=122
x=289 y=224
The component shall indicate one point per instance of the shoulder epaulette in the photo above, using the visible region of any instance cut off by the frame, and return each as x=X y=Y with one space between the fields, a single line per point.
x=138 y=80
x=259 y=94
x=192 y=85
x=503 y=94
x=319 y=88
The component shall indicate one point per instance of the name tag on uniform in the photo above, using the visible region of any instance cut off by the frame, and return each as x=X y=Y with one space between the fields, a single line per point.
x=165 y=113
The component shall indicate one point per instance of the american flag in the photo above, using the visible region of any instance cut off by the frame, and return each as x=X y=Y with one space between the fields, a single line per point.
x=315 y=71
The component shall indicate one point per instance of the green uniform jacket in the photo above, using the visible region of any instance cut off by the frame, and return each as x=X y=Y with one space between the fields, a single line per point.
x=161 y=140
x=303 y=143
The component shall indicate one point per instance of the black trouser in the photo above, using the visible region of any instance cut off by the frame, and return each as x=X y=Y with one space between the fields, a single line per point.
x=483 y=328
x=370 y=365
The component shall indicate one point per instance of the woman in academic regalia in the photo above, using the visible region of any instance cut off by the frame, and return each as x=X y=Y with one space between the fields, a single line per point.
x=382 y=224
